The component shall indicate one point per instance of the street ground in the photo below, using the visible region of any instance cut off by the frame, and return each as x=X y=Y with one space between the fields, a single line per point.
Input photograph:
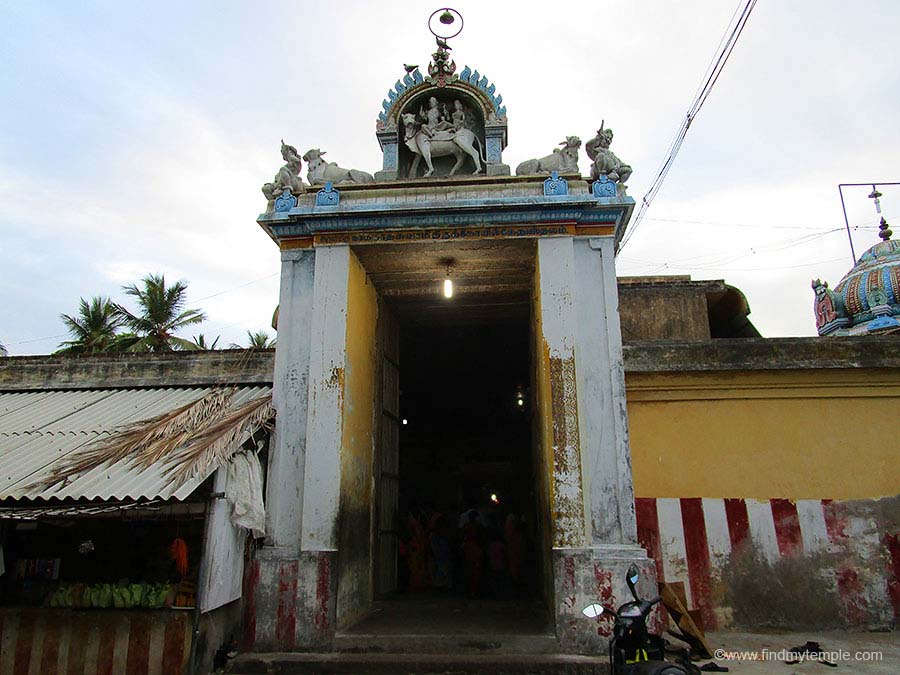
x=857 y=652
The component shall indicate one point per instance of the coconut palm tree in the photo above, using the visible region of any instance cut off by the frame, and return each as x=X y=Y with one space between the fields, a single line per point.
x=160 y=314
x=93 y=329
x=258 y=340
x=199 y=343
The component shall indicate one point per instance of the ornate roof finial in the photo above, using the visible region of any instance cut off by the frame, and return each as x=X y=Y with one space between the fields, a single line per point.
x=449 y=24
x=883 y=230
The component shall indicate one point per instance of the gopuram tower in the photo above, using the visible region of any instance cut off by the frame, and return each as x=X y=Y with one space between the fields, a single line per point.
x=448 y=369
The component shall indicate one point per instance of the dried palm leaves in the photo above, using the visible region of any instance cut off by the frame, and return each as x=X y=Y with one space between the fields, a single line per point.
x=188 y=441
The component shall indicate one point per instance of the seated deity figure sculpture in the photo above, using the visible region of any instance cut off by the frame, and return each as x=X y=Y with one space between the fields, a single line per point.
x=435 y=119
x=288 y=176
x=458 y=117
x=440 y=142
x=563 y=160
x=604 y=160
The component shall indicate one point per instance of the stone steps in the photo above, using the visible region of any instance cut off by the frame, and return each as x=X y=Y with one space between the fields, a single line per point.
x=399 y=643
x=342 y=663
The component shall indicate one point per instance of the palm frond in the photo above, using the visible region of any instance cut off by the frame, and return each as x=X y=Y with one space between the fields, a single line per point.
x=217 y=443
x=148 y=441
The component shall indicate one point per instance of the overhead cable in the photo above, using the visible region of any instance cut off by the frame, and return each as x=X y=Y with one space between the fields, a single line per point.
x=726 y=46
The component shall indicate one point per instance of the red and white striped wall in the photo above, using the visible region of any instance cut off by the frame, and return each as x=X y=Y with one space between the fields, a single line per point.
x=89 y=642
x=693 y=539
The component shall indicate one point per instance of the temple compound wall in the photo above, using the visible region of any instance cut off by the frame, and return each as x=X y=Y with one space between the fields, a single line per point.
x=766 y=479
x=765 y=475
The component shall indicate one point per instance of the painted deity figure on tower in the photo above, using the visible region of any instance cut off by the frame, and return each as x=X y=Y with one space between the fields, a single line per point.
x=435 y=118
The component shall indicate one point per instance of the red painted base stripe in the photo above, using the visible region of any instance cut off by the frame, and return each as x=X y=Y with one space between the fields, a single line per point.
x=738 y=523
x=50 y=646
x=251 y=581
x=892 y=543
x=106 y=648
x=138 y=656
x=699 y=567
x=787 y=527
x=23 y=643
x=835 y=521
x=286 y=621
x=648 y=530
x=77 y=647
x=323 y=593
x=173 y=645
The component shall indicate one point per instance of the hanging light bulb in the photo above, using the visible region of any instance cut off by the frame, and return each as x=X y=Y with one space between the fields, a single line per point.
x=876 y=195
x=448 y=282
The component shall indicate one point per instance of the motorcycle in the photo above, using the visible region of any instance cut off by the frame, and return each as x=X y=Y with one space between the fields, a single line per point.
x=633 y=650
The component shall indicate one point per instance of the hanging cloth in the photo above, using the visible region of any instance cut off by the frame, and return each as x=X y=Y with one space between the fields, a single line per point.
x=245 y=493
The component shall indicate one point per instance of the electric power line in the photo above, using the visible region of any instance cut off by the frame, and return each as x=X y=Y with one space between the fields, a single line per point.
x=726 y=46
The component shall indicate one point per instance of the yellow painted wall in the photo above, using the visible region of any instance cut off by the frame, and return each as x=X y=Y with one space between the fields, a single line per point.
x=812 y=434
x=542 y=431
x=357 y=446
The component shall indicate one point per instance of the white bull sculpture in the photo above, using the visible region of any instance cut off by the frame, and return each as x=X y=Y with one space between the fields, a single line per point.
x=320 y=172
x=458 y=143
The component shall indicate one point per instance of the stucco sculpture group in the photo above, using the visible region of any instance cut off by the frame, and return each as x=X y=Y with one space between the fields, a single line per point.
x=459 y=116
x=435 y=131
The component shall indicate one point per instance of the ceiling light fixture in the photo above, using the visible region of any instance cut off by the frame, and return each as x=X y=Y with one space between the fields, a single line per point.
x=448 y=281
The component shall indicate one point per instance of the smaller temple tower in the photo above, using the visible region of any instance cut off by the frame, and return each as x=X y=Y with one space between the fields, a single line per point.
x=867 y=300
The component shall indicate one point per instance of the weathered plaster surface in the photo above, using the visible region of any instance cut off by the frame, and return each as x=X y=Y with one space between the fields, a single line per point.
x=327 y=365
x=556 y=265
x=779 y=562
x=290 y=388
x=357 y=448
x=601 y=394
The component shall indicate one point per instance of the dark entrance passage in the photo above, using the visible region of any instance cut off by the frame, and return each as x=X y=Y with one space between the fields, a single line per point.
x=466 y=481
x=451 y=561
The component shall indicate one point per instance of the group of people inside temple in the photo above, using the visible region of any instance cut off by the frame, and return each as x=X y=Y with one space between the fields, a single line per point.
x=479 y=553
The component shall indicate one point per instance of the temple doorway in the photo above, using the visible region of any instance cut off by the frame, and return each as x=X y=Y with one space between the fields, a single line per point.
x=466 y=504
x=459 y=547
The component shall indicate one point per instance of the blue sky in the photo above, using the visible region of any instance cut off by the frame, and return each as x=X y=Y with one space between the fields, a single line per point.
x=134 y=137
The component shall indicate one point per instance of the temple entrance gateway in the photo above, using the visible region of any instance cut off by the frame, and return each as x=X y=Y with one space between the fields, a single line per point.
x=512 y=389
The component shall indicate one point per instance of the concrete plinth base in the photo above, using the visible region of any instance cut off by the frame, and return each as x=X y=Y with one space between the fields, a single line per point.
x=586 y=575
x=498 y=170
x=290 y=602
x=386 y=174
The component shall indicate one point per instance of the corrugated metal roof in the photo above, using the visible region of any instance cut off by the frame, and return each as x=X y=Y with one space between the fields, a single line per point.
x=38 y=429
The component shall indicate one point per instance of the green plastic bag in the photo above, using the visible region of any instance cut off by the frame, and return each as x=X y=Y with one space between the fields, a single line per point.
x=137 y=594
x=106 y=596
